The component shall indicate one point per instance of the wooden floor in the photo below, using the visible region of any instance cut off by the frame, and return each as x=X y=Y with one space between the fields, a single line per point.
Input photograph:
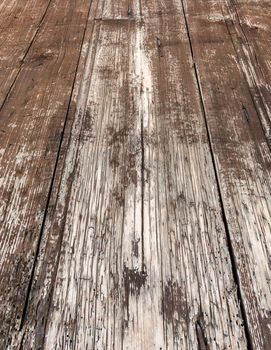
x=135 y=163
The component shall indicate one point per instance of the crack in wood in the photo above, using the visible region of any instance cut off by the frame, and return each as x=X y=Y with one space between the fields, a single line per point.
x=202 y=342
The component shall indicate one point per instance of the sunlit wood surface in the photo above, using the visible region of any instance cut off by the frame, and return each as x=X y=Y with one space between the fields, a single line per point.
x=135 y=164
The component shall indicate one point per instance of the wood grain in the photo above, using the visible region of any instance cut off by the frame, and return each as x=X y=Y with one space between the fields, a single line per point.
x=135 y=174
x=249 y=25
x=20 y=22
x=31 y=122
x=140 y=214
x=242 y=158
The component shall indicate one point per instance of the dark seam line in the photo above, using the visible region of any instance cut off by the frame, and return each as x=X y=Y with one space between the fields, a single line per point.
x=229 y=243
x=142 y=190
x=26 y=53
x=52 y=182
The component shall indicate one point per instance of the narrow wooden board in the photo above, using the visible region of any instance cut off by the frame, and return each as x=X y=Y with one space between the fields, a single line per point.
x=31 y=123
x=242 y=158
x=144 y=262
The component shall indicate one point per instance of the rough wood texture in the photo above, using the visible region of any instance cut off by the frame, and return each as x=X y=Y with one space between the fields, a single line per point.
x=249 y=26
x=31 y=124
x=135 y=175
x=242 y=158
x=127 y=246
x=20 y=22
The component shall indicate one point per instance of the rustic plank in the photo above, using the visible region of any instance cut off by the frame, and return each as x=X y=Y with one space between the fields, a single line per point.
x=249 y=24
x=31 y=336
x=19 y=24
x=144 y=262
x=242 y=158
x=31 y=122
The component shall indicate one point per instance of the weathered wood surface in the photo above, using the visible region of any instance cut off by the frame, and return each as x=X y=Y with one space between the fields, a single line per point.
x=31 y=123
x=20 y=22
x=249 y=26
x=140 y=213
x=242 y=158
x=151 y=214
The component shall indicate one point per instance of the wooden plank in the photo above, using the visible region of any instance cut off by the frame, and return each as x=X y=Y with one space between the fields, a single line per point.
x=144 y=262
x=242 y=158
x=19 y=24
x=249 y=24
x=31 y=122
x=31 y=334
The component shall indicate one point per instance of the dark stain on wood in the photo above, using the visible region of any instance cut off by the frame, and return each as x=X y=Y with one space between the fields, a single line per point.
x=174 y=303
x=134 y=280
